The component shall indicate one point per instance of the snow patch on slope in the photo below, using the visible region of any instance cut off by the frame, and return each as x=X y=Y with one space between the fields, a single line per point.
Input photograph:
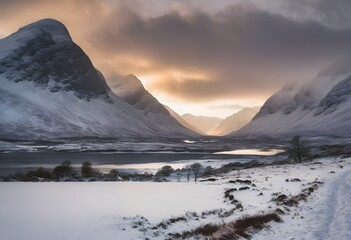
x=50 y=89
x=319 y=107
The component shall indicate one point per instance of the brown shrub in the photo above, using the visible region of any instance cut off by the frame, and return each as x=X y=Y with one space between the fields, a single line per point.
x=254 y=222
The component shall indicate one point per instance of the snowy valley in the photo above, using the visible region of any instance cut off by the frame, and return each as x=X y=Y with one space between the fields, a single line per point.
x=84 y=155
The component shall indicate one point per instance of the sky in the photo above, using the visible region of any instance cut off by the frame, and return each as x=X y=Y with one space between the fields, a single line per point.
x=203 y=57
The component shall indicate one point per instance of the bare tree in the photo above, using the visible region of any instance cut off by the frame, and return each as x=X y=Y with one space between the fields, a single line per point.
x=178 y=174
x=87 y=170
x=196 y=168
x=298 y=150
x=188 y=173
x=64 y=169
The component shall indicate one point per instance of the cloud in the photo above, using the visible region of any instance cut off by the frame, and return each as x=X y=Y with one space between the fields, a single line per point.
x=196 y=51
x=336 y=13
x=240 y=51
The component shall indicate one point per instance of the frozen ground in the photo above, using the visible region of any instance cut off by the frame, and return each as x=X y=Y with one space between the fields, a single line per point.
x=327 y=216
x=131 y=210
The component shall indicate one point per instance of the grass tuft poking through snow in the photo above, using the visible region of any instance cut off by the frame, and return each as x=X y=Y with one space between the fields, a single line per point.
x=241 y=228
x=255 y=222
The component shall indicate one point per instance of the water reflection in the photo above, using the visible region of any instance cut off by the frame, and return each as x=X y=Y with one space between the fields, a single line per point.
x=260 y=152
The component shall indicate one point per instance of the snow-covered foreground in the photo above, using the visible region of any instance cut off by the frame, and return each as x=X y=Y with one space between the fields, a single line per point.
x=132 y=210
x=95 y=210
x=327 y=216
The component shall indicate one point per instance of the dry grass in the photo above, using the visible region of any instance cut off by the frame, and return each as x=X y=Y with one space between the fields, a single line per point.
x=255 y=222
x=205 y=230
x=241 y=228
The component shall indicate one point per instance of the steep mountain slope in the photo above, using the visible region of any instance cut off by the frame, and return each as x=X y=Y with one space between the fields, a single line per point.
x=234 y=122
x=130 y=89
x=133 y=92
x=182 y=121
x=50 y=89
x=203 y=123
x=319 y=107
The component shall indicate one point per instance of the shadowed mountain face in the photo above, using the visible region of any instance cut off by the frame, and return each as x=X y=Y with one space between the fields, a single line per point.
x=44 y=53
x=130 y=89
x=50 y=89
x=319 y=107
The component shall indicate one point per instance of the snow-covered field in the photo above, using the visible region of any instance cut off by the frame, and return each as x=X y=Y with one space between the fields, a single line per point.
x=133 y=210
x=327 y=215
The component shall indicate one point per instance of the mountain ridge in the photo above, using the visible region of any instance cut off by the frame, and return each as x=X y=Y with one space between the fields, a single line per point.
x=50 y=89
x=320 y=107
x=235 y=121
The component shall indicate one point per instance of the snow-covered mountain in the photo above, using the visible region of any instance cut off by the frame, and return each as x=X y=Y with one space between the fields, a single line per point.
x=50 y=89
x=203 y=123
x=235 y=121
x=321 y=107
x=130 y=89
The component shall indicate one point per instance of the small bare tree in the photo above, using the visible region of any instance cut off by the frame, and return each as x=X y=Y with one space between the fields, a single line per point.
x=188 y=173
x=179 y=175
x=87 y=170
x=298 y=150
x=196 y=168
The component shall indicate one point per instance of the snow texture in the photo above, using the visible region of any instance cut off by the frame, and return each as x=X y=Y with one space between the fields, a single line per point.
x=131 y=210
x=319 y=107
x=50 y=89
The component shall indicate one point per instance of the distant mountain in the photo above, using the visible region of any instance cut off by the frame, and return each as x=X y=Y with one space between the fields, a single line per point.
x=203 y=123
x=234 y=122
x=50 y=89
x=183 y=122
x=321 y=107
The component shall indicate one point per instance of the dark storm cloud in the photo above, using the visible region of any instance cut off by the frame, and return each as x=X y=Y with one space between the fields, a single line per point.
x=238 y=50
x=242 y=49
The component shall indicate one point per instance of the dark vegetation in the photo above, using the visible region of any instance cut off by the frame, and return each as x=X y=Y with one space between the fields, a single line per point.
x=63 y=172
x=65 y=169
x=294 y=201
x=241 y=228
x=165 y=171
x=244 y=225
x=228 y=196
x=298 y=150
x=88 y=171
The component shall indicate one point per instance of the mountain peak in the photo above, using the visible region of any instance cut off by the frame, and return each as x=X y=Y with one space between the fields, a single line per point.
x=57 y=30
x=44 y=53
x=133 y=81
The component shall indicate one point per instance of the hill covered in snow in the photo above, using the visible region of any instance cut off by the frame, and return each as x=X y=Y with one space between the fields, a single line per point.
x=321 y=107
x=130 y=89
x=50 y=89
